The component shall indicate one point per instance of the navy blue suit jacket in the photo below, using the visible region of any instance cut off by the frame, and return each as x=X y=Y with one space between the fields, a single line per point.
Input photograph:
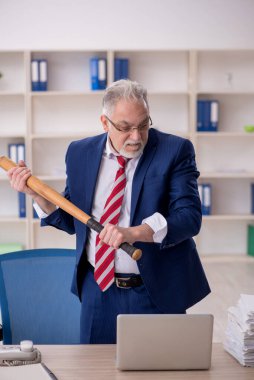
x=165 y=181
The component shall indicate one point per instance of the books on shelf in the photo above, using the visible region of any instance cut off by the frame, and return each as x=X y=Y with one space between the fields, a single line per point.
x=121 y=68
x=10 y=247
x=239 y=335
x=207 y=115
x=250 y=238
x=16 y=153
x=39 y=75
x=98 y=73
x=205 y=191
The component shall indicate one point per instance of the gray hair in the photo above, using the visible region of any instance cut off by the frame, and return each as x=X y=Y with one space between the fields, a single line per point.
x=123 y=89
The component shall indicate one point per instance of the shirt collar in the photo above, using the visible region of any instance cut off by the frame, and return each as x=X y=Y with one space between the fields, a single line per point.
x=110 y=151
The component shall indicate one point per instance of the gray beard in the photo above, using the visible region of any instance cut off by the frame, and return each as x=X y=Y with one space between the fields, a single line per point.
x=131 y=154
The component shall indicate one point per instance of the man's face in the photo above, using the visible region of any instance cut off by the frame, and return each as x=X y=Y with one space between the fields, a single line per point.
x=128 y=114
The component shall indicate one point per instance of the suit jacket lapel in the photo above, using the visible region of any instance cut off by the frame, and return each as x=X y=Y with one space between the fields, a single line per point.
x=141 y=170
x=93 y=160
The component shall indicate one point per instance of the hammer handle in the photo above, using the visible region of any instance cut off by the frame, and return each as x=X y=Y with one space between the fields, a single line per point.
x=57 y=199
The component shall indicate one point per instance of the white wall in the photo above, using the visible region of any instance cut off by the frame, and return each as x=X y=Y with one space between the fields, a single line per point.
x=133 y=24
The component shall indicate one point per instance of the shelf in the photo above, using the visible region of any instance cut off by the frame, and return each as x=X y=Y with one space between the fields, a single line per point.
x=100 y=92
x=228 y=217
x=165 y=93
x=225 y=134
x=225 y=175
x=12 y=93
x=12 y=219
x=64 y=136
x=48 y=121
x=65 y=93
x=226 y=258
x=229 y=92
x=12 y=135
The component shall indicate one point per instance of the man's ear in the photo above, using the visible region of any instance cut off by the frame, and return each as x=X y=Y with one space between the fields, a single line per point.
x=104 y=123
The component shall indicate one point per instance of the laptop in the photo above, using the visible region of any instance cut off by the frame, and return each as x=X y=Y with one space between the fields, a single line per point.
x=164 y=341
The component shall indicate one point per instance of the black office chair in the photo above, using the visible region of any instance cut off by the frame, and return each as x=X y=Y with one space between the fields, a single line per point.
x=35 y=297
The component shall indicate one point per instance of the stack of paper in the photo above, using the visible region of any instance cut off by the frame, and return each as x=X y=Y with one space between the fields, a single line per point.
x=26 y=372
x=239 y=340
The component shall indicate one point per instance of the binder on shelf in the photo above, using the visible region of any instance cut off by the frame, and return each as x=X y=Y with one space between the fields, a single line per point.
x=200 y=116
x=16 y=153
x=102 y=73
x=214 y=115
x=121 y=68
x=12 y=152
x=117 y=69
x=35 y=76
x=207 y=115
x=39 y=74
x=125 y=68
x=98 y=73
x=43 y=75
x=206 y=199
x=21 y=196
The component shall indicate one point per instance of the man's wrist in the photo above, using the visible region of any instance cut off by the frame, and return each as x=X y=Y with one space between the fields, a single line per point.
x=143 y=233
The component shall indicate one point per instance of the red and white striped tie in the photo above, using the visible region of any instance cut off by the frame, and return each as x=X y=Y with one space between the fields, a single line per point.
x=104 y=271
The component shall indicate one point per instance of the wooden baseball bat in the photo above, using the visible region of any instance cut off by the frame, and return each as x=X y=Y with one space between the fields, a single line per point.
x=57 y=199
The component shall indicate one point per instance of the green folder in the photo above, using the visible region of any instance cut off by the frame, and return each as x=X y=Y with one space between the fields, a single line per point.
x=10 y=247
x=250 y=240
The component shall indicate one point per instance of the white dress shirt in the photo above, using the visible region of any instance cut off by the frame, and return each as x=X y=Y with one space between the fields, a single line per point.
x=108 y=168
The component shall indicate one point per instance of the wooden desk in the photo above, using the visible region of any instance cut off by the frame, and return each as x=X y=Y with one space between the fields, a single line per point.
x=97 y=362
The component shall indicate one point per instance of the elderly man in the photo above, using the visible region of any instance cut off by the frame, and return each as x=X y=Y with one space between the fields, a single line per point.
x=141 y=184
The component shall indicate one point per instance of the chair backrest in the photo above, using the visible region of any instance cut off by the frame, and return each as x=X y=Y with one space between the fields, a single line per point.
x=35 y=297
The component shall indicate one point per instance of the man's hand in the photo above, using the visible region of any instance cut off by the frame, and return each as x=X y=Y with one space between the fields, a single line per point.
x=114 y=236
x=18 y=177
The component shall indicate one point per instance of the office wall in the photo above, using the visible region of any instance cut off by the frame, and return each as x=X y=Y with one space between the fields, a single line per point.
x=133 y=24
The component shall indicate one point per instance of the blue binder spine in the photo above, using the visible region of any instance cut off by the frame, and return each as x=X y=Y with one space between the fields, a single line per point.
x=214 y=115
x=43 y=75
x=206 y=209
x=207 y=115
x=200 y=116
x=21 y=196
x=117 y=69
x=94 y=73
x=12 y=152
x=102 y=73
x=125 y=68
x=35 y=77
x=121 y=68
x=252 y=198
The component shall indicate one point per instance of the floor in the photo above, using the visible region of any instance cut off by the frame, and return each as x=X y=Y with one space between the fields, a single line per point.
x=228 y=276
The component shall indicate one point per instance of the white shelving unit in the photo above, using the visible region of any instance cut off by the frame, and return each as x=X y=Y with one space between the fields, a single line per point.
x=225 y=158
x=47 y=121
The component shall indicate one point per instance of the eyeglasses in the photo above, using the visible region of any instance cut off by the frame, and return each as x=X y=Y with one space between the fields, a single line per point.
x=144 y=126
